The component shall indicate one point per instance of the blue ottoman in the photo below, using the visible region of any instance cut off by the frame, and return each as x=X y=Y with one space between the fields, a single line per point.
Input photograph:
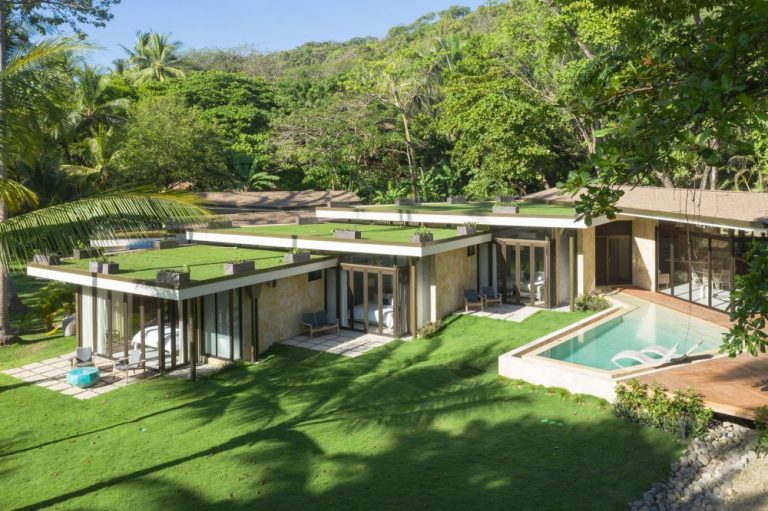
x=83 y=377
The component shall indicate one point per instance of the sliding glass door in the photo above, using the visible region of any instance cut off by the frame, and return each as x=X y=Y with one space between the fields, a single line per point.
x=373 y=300
x=523 y=271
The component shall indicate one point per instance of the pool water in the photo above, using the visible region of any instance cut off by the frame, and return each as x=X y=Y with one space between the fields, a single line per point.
x=647 y=325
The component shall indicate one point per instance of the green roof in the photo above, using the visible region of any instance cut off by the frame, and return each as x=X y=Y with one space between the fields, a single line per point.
x=205 y=262
x=474 y=208
x=371 y=233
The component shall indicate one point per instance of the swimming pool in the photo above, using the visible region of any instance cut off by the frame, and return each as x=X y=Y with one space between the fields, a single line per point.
x=646 y=325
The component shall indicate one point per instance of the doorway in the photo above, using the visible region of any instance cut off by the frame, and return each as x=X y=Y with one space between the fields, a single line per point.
x=373 y=299
x=524 y=271
x=613 y=253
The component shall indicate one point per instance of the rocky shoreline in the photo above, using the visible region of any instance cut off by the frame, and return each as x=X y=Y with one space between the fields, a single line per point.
x=702 y=478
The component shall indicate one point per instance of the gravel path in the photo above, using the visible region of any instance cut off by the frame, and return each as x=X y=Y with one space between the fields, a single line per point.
x=750 y=488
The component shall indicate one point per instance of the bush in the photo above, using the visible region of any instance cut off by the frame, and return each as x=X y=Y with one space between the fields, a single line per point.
x=761 y=429
x=430 y=329
x=593 y=301
x=653 y=406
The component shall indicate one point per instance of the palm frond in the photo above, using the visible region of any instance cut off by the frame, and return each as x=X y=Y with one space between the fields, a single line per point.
x=60 y=228
x=16 y=196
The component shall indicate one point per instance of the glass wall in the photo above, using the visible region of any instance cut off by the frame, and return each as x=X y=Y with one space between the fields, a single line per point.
x=221 y=325
x=696 y=265
x=374 y=299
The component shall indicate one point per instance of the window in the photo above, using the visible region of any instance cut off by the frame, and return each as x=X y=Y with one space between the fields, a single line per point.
x=315 y=275
x=222 y=325
x=471 y=250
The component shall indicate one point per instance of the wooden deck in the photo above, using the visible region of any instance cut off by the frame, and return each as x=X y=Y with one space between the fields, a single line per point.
x=730 y=386
x=697 y=311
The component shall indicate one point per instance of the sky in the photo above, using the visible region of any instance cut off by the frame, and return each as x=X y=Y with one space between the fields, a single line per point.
x=267 y=25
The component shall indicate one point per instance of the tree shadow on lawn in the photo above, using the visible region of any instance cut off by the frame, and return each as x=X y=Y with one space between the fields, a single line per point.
x=405 y=426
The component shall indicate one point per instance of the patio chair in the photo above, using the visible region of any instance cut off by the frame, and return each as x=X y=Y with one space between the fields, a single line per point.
x=491 y=296
x=645 y=359
x=318 y=322
x=662 y=351
x=132 y=362
x=83 y=357
x=473 y=299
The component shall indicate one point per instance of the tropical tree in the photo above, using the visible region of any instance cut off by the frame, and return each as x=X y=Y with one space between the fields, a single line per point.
x=154 y=57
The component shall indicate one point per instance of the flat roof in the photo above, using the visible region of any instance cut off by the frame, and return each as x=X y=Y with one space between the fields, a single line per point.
x=375 y=239
x=530 y=214
x=477 y=208
x=138 y=270
x=718 y=208
x=275 y=200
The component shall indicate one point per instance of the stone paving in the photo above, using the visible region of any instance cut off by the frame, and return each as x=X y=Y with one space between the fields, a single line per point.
x=508 y=312
x=347 y=343
x=52 y=373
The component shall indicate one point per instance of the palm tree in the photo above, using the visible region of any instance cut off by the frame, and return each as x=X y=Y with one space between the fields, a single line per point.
x=154 y=57
x=98 y=151
x=29 y=76
x=95 y=101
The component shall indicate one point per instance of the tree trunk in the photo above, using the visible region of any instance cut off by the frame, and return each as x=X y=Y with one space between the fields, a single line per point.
x=409 y=155
x=5 y=330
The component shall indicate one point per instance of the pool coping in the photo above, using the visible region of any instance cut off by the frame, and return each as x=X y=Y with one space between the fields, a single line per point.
x=526 y=362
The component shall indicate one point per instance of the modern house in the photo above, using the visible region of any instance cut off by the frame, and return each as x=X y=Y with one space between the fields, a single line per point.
x=374 y=269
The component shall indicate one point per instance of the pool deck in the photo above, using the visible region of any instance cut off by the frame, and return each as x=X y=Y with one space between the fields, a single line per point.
x=697 y=311
x=730 y=386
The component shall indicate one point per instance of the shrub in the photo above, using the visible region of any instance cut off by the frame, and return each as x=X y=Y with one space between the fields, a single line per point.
x=653 y=406
x=430 y=329
x=761 y=429
x=593 y=301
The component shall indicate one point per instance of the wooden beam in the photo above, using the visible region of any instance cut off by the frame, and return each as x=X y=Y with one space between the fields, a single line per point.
x=142 y=333
x=189 y=337
x=161 y=333
x=572 y=273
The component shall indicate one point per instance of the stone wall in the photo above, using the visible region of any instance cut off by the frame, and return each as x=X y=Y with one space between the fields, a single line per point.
x=455 y=271
x=644 y=253
x=585 y=261
x=281 y=307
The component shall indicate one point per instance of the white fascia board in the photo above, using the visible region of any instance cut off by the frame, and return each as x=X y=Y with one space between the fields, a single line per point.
x=696 y=221
x=454 y=219
x=137 y=288
x=345 y=247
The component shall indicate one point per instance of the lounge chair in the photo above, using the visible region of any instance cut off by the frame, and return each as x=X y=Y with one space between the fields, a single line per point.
x=473 y=299
x=645 y=359
x=662 y=351
x=130 y=363
x=83 y=357
x=490 y=295
x=318 y=322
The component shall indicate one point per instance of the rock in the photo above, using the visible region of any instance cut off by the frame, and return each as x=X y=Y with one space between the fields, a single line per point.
x=751 y=456
x=703 y=459
x=649 y=497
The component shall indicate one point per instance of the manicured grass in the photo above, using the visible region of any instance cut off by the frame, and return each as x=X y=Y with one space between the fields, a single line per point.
x=204 y=261
x=384 y=233
x=426 y=424
x=479 y=208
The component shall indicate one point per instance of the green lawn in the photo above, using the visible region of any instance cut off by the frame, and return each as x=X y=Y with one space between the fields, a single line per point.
x=383 y=233
x=205 y=262
x=479 y=208
x=34 y=346
x=426 y=424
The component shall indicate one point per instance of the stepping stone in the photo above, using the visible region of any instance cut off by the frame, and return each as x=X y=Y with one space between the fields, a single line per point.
x=32 y=366
x=86 y=395
x=14 y=371
x=71 y=391
x=59 y=386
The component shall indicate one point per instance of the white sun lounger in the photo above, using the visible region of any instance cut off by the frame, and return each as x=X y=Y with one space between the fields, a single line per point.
x=645 y=359
x=662 y=351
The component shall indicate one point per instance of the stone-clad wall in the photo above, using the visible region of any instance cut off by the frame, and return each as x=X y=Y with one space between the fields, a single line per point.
x=586 y=261
x=281 y=307
x=455 y=271
x=644 y=253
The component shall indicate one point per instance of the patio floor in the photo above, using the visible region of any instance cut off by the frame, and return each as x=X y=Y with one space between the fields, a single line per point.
x=347 y=343
x=52 y=374
x=508 y=312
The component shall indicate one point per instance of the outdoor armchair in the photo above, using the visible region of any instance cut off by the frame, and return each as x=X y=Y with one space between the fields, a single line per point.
x=473 y=299
x=490 y=295
x=318 y=322
x=133 y=362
